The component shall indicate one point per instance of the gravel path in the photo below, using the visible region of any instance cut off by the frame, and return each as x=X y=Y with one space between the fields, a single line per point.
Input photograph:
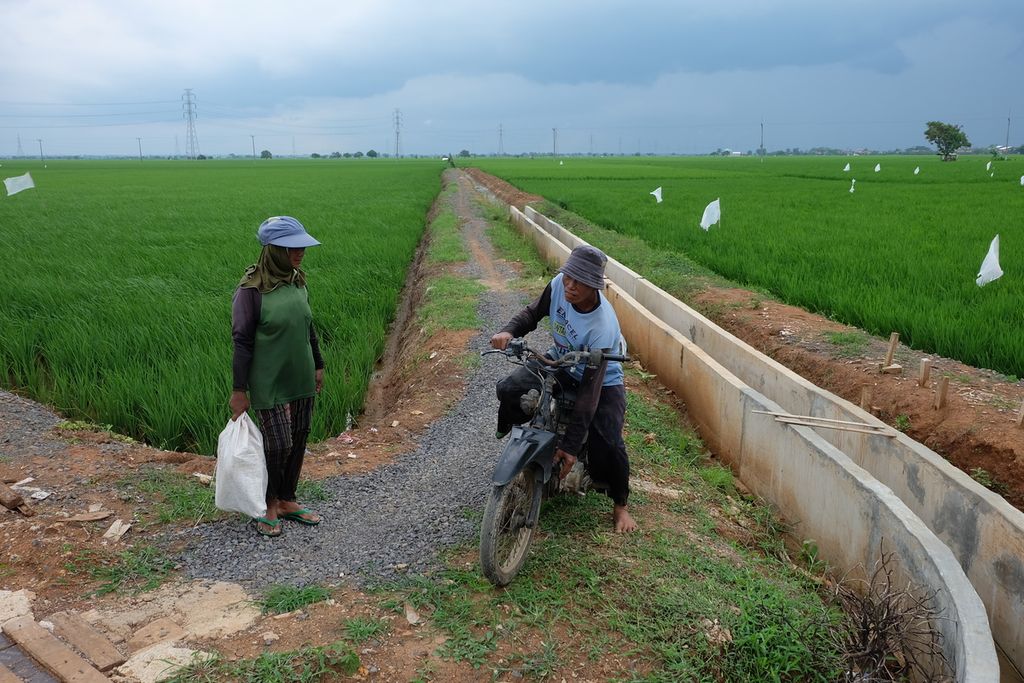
x=397 y=518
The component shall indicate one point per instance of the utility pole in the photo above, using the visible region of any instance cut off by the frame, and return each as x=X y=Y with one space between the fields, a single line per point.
x=177 y=150
x=398 y=133
x=188 y=106
x=140 y=149
x=554 y=142
x=1007 y=144
x=21 y=152
x=501 y=141
x=591 y=144
x=761 y=150
x=41 y=159
x=253 y=138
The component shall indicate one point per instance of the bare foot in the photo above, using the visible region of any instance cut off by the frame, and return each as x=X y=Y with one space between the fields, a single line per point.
x=623 y=521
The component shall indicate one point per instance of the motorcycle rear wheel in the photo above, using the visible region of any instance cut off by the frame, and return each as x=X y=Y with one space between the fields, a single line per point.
x=504 y=535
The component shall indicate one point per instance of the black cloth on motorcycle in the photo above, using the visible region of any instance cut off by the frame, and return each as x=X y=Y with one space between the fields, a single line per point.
x=606 y=452
x=599 y=412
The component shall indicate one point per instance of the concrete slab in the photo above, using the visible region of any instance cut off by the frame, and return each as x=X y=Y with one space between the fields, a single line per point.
x=157 y=662
x=14 y=604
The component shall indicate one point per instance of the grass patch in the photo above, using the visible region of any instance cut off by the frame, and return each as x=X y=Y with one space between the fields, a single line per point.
x=656 y=442
x=988 y=480
x=278 y=599
x=446 y=244
x=512 y=246
x=138 y=569
x=450 y=304
x=902 y=422
x=848 y=344
x=361 y=629
x=173 y=496
x=311 y=489
x=306 y=665
x=85 y=426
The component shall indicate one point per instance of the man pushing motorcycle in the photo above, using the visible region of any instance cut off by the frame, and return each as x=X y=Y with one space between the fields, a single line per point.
x=581 y=318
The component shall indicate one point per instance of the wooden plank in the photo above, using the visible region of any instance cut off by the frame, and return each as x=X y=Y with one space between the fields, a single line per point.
x=940 y=398
x=894 y=339
x=844 y=428
x=865 y=398
x=50 y=652
x=818 y=419
x=87 y=640
x=925 y=372
x=7 y=676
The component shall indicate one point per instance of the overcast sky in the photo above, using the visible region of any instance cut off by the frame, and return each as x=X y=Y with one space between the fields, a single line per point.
x=95 y=76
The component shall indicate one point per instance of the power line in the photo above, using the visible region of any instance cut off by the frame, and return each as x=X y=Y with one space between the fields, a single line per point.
x=191 y=140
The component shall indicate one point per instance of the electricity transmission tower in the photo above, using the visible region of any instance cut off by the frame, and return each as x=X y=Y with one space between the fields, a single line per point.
x=21 y=152
x=501 y=141
x=188 y=106
x=398 y=133
x=554 y=142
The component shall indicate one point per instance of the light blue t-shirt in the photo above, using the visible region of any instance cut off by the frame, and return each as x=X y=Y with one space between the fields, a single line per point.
x=572 y=331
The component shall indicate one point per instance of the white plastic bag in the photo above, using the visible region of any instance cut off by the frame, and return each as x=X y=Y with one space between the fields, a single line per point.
x=241 y=478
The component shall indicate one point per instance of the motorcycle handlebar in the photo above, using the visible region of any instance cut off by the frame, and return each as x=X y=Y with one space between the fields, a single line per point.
x=519 y=348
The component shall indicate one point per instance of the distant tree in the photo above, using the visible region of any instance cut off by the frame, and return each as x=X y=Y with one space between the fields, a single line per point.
x=335 y=155
x=347 y=155
x=265 y=154
x=315 y=155
x=372 y=154
x=202 y=157
x=947 y=137
x=358 y=155
x=464 y=153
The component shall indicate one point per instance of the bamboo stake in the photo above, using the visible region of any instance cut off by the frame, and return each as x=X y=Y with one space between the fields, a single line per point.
x=819 y=419
x=841 y=427
x=865 y=398
x=925 y=373
x=1020 y=415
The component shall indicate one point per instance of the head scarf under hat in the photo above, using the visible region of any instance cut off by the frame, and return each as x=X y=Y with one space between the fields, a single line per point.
x=272 y=270
x=586 y=265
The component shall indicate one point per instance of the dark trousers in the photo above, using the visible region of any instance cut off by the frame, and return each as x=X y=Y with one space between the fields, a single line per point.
x=285 y=432
x=607 y=459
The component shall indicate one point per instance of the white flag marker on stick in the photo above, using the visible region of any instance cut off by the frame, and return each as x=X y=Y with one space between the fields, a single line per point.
x=1022 y=181
x=18 y=183
x=917 y=169
x=853 y=181
x=988 y=166
x=712 y=214
x=878 y=167
x=990 y=269
x=847 y=167
x=657 y=194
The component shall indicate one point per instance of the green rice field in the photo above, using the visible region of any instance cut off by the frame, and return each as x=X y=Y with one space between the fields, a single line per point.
x=900 y=253
x=117 y=303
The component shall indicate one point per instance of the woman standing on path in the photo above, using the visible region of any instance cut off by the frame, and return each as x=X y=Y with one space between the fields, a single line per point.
x=277 y=365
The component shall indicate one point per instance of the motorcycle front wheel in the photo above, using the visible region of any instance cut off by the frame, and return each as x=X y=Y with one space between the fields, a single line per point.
x=504 y=535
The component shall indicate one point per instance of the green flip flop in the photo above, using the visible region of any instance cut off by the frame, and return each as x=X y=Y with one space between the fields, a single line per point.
x=275 y=526
x=297 y=516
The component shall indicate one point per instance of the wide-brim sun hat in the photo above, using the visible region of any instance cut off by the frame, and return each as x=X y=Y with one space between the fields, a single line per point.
x=285 y=231
x=586 y=265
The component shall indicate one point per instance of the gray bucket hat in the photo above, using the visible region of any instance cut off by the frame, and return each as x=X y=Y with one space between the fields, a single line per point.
x=586 y=265
x=285 y=231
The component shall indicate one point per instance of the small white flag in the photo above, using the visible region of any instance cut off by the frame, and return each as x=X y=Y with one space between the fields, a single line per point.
x=18 y=183
x=853 y=181
x=559 y=162
x=917 y=169
x=712 y=214
x=1022 y=181
x=988 y=166
x=992 y=174
x=990 y=269
x=847 y=167
x=878 y=167
x=657 y=194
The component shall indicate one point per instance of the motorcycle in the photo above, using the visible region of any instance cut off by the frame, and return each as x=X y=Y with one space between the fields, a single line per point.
x=523 y=476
